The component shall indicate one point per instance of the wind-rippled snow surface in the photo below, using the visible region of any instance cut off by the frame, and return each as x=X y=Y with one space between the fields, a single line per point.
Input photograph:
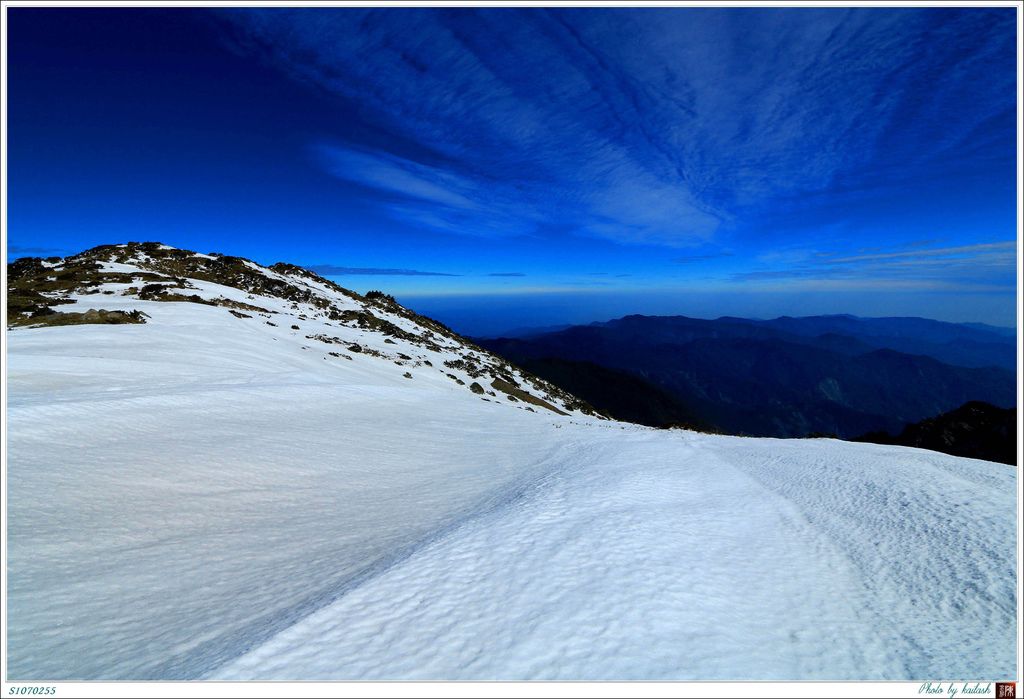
x=653 y=557
x=201 y=497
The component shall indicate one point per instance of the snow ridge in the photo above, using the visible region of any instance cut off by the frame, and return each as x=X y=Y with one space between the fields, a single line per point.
x=136 y=279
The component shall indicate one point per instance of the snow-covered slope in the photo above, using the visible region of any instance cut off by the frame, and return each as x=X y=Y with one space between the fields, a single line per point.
x=654 y=556
x=215 y=495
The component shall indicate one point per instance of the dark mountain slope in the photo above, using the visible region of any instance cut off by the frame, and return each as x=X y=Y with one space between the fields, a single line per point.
x=618 y=393
x=977 y=430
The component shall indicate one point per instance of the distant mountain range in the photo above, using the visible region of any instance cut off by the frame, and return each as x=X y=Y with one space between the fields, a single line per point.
x=788 y=377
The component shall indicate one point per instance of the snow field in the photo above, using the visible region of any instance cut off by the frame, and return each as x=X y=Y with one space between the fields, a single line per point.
x=206 y=496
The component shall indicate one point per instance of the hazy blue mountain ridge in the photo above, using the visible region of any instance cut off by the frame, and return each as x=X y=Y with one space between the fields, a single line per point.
x=785 y=377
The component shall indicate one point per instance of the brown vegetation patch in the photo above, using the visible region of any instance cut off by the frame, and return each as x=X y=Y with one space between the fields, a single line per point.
x=513 y=392
x=95 y=316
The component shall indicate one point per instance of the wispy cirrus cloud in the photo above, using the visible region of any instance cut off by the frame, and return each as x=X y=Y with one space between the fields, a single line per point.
x=429 y=196
x=391 y=173
x=335 y=270
x=657 y=126
x=980 y=266
x=1002 y=251
x=693 y=259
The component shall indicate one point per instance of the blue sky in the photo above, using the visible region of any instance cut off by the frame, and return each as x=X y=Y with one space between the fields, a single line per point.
x=534 y=166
